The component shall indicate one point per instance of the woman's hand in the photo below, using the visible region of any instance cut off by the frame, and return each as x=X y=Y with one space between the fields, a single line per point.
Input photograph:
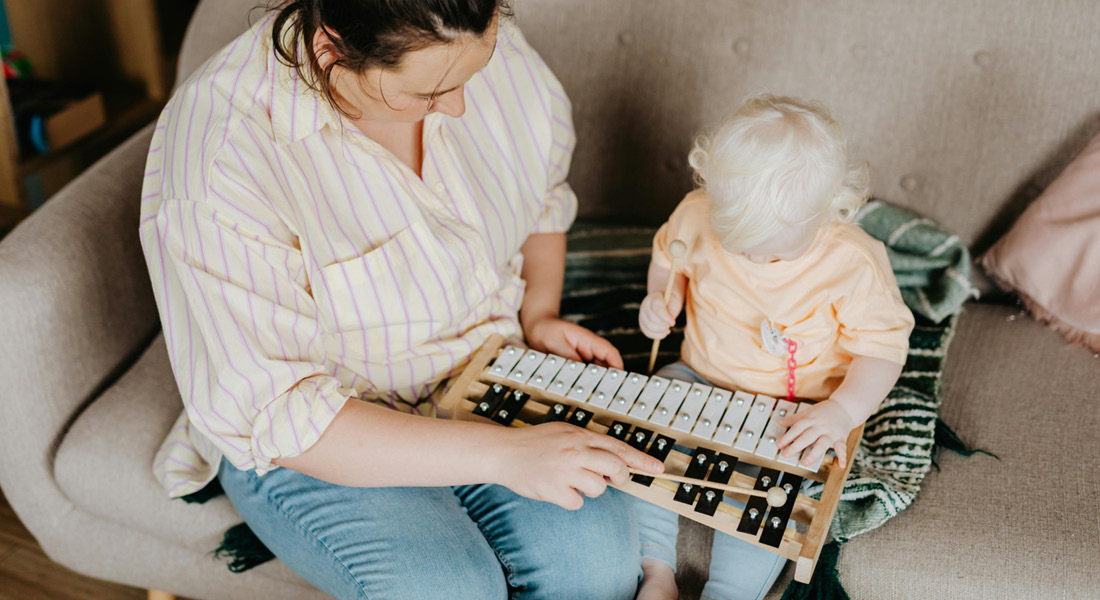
x=656 y=317
x=558 y=462
x=824 y=425
x=553 y=335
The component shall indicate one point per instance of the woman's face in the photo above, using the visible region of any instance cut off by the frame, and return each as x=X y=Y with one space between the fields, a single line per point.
x=432 y=79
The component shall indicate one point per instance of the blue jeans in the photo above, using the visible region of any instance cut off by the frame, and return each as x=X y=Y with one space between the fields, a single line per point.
x=472 y=541
x=738 y=569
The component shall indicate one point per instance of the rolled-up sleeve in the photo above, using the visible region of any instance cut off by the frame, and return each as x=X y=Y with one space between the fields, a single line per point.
x=242 y=334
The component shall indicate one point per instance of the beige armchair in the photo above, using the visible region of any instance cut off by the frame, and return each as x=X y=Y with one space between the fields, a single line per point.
x=963 y=109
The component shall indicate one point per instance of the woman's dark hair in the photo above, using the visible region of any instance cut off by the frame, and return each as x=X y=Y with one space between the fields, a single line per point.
x=372 y=33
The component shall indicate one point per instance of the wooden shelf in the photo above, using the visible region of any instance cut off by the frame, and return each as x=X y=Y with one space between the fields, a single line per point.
x=122 y=121
x=114 y=45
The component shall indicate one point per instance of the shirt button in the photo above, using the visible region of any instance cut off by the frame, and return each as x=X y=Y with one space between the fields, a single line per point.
x=440 y=189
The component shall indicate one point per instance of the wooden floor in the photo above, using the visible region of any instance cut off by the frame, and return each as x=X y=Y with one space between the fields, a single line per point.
x=27 y=574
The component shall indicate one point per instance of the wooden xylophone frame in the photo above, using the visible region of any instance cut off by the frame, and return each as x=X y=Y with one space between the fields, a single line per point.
x=466 y=390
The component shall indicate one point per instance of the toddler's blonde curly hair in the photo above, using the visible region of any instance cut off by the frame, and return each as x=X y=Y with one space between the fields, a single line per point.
x=774 y=163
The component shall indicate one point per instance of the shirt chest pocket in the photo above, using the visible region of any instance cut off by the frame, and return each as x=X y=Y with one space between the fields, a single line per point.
x=813 y=335
x=392 y=298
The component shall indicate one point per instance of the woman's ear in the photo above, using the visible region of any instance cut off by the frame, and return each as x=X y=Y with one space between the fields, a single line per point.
x=324 y=48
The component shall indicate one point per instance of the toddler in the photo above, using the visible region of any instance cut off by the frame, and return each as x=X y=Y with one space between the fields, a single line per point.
x=774 y=266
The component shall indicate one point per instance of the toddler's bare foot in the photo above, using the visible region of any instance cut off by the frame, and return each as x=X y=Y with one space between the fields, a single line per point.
x=658 y=581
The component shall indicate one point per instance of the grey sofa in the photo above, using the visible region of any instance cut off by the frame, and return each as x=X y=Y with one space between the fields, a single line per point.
x=965 y=110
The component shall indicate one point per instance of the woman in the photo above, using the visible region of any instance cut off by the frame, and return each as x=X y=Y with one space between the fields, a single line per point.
x=339 y=208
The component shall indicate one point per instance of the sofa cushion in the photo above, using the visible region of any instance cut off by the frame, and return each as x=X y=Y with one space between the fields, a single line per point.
x=1021 y=527
x=1025 y=524
x=104 y=462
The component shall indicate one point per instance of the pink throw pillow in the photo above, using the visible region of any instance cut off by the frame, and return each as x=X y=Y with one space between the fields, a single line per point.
x=1051 y=256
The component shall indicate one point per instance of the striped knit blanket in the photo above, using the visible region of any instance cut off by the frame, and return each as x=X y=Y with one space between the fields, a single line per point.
x=605 y=282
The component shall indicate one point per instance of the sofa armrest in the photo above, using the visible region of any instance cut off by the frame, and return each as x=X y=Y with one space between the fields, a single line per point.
x=76 y=308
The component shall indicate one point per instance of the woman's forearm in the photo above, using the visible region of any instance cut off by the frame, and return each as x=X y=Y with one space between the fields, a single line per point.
x=544 y=271
x=368 y=445
x=866 y=385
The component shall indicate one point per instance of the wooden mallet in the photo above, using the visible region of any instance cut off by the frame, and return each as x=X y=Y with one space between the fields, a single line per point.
x=676 y=250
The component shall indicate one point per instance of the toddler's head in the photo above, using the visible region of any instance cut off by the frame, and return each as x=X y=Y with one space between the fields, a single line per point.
x=776 y=172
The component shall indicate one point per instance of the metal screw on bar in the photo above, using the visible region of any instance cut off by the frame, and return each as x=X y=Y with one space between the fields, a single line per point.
x=710 y=496
x=497 y=387
x=776 y=522
x=503 y=414
x=722 y=466
x=753 y=513
x=766 y=480
x=484 y=406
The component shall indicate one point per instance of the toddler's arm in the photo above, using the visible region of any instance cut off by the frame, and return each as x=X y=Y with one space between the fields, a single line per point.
x=656 y=317
x=827 y=424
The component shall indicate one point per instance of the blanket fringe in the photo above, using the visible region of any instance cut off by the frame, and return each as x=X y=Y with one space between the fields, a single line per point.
x=947 y=439
x=242 y=549
x=825 y=583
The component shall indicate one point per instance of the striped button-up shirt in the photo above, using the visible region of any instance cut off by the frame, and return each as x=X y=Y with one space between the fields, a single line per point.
x=296 y=263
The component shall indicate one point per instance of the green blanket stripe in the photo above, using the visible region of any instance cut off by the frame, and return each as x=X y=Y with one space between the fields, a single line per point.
x=605 y=282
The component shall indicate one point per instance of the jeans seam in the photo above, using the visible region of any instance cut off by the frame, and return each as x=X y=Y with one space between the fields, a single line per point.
x=280 y=506
x=509 y=569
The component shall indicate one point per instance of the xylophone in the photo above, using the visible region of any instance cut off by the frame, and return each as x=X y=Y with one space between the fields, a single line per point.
x=517 y=387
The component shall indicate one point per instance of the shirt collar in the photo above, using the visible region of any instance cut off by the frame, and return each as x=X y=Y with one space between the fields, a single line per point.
x=297 y=111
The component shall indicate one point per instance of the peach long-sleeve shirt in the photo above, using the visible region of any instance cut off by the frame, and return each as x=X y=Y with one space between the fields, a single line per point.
x=836 y=301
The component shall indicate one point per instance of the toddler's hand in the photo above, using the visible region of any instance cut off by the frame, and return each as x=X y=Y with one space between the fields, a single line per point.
x=824 y=425
x=655 y=317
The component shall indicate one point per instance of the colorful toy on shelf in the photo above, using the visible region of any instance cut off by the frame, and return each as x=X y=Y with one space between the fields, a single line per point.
x=16 y=64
